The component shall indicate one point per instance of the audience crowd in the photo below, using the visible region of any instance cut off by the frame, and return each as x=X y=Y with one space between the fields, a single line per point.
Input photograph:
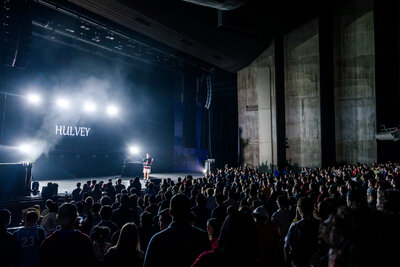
x=339 y=216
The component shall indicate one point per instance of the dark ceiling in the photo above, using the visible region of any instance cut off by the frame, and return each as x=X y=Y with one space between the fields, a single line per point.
x=227 y=39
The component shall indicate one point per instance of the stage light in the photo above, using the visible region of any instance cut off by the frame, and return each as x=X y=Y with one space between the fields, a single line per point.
x=89 y=107
x=112 y=111
x=34 y=99
x=205 y=171
x=62 y=103
x=25 y=148
x=134 y=150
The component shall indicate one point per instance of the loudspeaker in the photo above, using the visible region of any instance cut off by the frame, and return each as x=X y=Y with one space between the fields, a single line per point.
x=15 y=180
x=189 y=112
x=132 y=169
x=15 y=32
x=156 y=182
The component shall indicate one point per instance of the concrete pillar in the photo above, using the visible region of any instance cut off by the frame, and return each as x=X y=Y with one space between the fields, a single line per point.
x=355 y=102
x=302 y=96
x=266 y=121
x=257 y=112
x=248 y=117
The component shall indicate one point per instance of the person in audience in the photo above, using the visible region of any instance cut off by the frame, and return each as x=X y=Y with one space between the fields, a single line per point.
x=136 y=210
x=343 y=197
x=164 y=219
x=219 y=212
x=86 y=189
x=92 y=217
x=232 y=199
x=49 y=221
x=123 y=214
x=150 y=190
x=106 y=216
x=127 y=251
x=361 y=238
x=146 y=229
x=49 y=203
x=301 y=242
x=153 y=207
x=76 y=193
x=282 y=217
x=94 y=183
x=193 y=195
x=391 y=201
x=119 y=186
x=29 y=239
x=97 y=193
x=166 y=199
x=99 y=237
x=201 y=211
x=136 y=184
x=130 y=186
x=179 y=236
x=110 y=190
x=237 y=245
x=66 y=247
x=116 y=203
x=96 y=218
x=105 y=200
x=323 y=193
x=8 y=244
x=146 y=201
x=213 y=230
x=211 y=203
x=268 y=237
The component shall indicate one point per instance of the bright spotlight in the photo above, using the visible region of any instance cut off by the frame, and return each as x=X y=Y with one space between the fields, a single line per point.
x=134 y=150
x=90 y=107
x=112 y=111
x=34 y=99
x=62 y=103
x=25 y=148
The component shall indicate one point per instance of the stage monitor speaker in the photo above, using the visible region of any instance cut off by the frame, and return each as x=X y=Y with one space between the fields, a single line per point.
x=132 y=169
x=15 y=32
x=156 y=181
x=15 y=180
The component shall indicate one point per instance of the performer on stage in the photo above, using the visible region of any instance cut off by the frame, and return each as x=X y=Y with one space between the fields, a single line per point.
x=147 y=162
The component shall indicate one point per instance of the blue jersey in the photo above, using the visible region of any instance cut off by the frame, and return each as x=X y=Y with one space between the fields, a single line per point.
x=29 y=240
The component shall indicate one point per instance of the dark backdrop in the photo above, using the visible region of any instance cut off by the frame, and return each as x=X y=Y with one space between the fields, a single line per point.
x=144 y=96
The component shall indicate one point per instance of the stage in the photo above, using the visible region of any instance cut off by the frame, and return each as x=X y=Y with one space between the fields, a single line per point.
x=67 y=185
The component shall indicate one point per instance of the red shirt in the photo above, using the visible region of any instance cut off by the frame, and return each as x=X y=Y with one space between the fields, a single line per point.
x=66 y=248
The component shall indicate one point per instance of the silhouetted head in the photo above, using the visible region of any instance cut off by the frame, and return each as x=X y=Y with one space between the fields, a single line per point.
x=5 y=218
x=238 y=236
x=67 y=215
x=106 y=213
x=305 y=207
x=179 y=207
x=128 y=239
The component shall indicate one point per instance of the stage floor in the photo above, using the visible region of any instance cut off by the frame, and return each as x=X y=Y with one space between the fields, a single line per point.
x=67 y=185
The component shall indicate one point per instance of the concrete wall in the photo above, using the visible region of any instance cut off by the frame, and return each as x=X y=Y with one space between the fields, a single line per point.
x=257 y=112
x=351 y=87
x=302 y=96
x=355 y=101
